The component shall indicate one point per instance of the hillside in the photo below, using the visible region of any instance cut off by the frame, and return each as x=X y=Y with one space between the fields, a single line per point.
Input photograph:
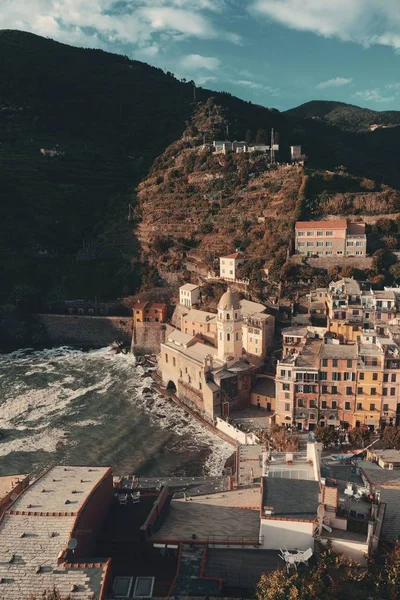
x=64 y=231
x=345 y=116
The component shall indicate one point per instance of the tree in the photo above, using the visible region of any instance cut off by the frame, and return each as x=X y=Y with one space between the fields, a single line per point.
x=359 y=436
x=327 y=436
x=391 y=437
x=261 y=136
x=249 y=136
x=395 y=270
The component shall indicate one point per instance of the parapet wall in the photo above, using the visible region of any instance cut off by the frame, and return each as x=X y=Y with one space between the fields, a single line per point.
x=147 y=337
x=83 y=330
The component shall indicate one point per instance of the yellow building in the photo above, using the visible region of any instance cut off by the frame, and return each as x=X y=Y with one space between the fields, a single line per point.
x=368 y=401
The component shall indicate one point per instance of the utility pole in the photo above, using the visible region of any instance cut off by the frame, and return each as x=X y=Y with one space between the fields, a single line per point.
x=272 y=146
x=227 y=132
x=194 y=92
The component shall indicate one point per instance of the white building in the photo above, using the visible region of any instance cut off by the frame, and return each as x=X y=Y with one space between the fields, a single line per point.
x=229 y=326
x=258 y=328
x=229 y=264
x=189 y=294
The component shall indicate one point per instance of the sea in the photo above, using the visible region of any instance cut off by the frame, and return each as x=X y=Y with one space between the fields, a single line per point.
x=70 y=406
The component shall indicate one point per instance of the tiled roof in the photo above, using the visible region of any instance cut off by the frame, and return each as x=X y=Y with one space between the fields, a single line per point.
x=339 y=351
x=391 y=522
x=335 y=224
x=36 y=530
x=235 y=255
x=189 y=287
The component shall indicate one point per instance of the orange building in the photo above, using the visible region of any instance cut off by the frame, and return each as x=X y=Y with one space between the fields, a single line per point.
x=149 y=312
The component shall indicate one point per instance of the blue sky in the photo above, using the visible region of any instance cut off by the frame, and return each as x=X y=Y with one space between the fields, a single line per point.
x=278 y=53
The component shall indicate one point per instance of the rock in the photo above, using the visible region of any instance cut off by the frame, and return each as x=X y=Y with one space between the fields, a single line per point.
x=147 y=390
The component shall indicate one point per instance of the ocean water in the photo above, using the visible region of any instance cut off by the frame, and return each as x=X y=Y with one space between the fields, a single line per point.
x=68 y=406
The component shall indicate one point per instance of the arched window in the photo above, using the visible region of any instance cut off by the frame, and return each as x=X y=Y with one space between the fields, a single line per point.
x=228 y=337
x=228 y=316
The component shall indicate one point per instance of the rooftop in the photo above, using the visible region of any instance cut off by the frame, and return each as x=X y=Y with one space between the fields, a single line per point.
x=334 y=224
x=309 y=356
x=31 y=541
x=378 y=476
x=189 y=287
x=200 y=316
x=7 y=484
x=288 y=498
x=356 y=228
x=295 y=331
x=339 y=351
x=264 y=386
x=299 y=469
x=249 y=308
x=235 y=255
x=211 y=519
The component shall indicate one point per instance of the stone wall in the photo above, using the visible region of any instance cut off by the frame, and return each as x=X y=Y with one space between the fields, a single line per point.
x=147 y=337
x=82 y=330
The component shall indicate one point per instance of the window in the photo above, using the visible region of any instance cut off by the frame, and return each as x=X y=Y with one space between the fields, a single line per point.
x=324 y=389
x=300 y=233
x=189 y=379
x=372 y=407
x=301 y=244
x=310 y=233
x=328 y=244
x=312 y=417
x=347 y=406
x=320 y=233
x=310 y=244
x=393 y=378
x=328 y=253
x=346 y=376
x=335 y=362
x=166 y=358
x=138 y=312
x=228 y=337
x=320 y=244
x=392 y=391
x=350 y=244
x=313 y=404
x=328 y=232
x=374 y=376
x=349 y=391
x=334 y=404
x=359 y=406
x=200 y=386
x=358 y=243
x=323 y=375
x=385 y=378
x=349 y=363
x=286 y=387
x=323 y=404
x=373 y=391
x=384 y=392
x=361 y=376
x=300 y=403
x=360 y=390
x=237 y=336
x=385 y=407
x=334 y=389
x=283 y=373
x=355 y=327
x=174 y=361
x=324 y=362
x=287 y=406
x=336 y=376
x=228 y=317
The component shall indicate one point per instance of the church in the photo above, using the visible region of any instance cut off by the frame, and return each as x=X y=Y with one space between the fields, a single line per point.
x=210 y=380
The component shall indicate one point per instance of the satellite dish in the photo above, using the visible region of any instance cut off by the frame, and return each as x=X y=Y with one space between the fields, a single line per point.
x=321 y=511
x=72 y=544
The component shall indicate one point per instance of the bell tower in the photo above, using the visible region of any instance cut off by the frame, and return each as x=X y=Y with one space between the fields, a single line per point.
x=229 y=326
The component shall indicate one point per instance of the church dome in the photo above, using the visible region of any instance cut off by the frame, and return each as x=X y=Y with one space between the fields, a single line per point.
x=229 y=301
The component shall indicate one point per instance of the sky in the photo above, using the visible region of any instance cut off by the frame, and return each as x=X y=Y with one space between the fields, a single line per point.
x=277 y=53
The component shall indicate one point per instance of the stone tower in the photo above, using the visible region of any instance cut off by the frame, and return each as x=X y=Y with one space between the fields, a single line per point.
x=229 y=325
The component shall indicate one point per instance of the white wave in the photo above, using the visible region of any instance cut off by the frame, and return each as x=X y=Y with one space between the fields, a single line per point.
x=46 y=441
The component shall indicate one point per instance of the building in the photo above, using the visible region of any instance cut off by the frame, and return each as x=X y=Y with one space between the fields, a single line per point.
x=295 y=153
x=50 y=529
x=228 y=266
x=200 y=323
x=149 y=312
x=336 y=238
x=11 y=487
x=263 y=394
x=189 y=294
x=258 y=329
x=337 y=375
x=211 y=380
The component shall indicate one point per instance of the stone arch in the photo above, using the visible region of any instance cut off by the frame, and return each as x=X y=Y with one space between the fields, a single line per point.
x=171 y=387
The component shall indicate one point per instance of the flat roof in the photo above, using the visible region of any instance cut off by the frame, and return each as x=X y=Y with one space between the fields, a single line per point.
x=234 y=255
x=295 y=331
x=31 y=541
x=197 y=351
x=200 y=316
x=334 y=224
x=378 y=476
x=309 y=356
x=208 y=521
x=180 y=338
x=344 y=351
x=250 y=308
x=189 y=287
x=348 y=285
x=298 y=499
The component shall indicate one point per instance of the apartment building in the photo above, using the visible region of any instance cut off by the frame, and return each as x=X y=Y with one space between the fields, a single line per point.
x=337 y=376
x=330 y=238
x=345 y=310
x=228 y=266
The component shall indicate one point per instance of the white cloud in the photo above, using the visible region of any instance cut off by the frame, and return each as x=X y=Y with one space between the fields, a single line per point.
x=365 y=22
x=196 y=62
x=206 y=79
x=374 y=95
x=254 y=85
x=332 y=83
x=104 y=23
